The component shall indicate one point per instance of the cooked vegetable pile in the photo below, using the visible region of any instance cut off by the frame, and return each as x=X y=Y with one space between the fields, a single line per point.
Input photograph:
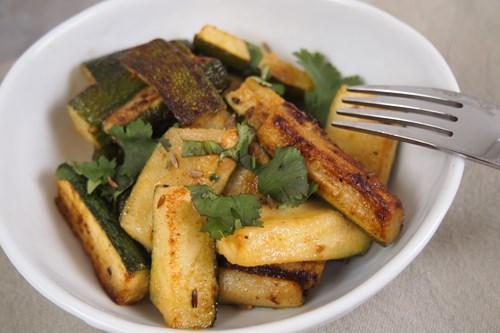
x=215 y=177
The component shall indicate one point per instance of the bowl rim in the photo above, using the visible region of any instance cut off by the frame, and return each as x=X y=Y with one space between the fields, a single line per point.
x=102 y=320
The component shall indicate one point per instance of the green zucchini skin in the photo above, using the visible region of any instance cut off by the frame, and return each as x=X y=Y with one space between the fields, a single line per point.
x=110 y=66
x=231 y=61
x=119 y=101
x=215 y=71
x=96 y=102
x=183 y=85
x=132 y=254
x=105 y=67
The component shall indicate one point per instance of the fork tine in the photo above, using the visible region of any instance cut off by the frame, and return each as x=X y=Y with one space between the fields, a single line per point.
x=408 y=134
x=401 y=103
x=447 y=97
x=399 y=117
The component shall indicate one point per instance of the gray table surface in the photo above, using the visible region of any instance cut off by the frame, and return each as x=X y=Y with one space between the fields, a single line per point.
x=452 y=286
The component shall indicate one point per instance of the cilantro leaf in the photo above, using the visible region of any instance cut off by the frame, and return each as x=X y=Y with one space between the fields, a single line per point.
x=284 y=178
x=97 y=172
x=255 y=57
x=265 y=73
x=327 y=81
x=353 y=80
x=225 y=214
x=263 y=80
x=278 y=88
x=240 y=151
x=136 y=141
x=200 y=148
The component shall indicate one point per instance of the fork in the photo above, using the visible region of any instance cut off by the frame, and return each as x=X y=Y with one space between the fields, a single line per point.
x=430 y=117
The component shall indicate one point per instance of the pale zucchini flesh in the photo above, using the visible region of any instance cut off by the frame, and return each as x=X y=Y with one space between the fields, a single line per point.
x=170 y=168
x=241 y=288
x=183 y=271
x=312 y=231
x=376 y=153
x=121 y=266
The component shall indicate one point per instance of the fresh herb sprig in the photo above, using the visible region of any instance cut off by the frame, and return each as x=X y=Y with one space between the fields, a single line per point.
x=225 y=214
x=97 y=172
x=284 y=178
x=107 y=176
x=239 y=152
x=327 y=81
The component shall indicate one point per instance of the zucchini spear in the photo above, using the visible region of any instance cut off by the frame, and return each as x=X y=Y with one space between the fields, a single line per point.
x=274 y=286
x=183 y=281
x=342 y=181
x=242 y=288
x=183 y=86
x=376 y=153
x=309 y=232
x=121 y=265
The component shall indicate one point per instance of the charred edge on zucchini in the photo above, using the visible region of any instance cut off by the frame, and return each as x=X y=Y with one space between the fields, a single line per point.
x=307 y=273
x=341 y=180
x=184 y=87
x=104 y=68
x=120 y=263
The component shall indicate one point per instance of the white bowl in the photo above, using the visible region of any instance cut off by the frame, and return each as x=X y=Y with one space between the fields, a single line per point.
x=36 y=135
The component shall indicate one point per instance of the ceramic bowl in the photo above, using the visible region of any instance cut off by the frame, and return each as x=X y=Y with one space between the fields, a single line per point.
x=36 y=135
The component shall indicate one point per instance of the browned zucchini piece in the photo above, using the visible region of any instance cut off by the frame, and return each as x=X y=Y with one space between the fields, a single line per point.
x=376 y=153
x=312 y=231
x=183 y=281
x=183 y=85
x=242 y=288
x=341 y=180
x=120 y=264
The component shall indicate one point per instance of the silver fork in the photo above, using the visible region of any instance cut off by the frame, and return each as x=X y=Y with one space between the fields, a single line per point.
x=430 y=117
